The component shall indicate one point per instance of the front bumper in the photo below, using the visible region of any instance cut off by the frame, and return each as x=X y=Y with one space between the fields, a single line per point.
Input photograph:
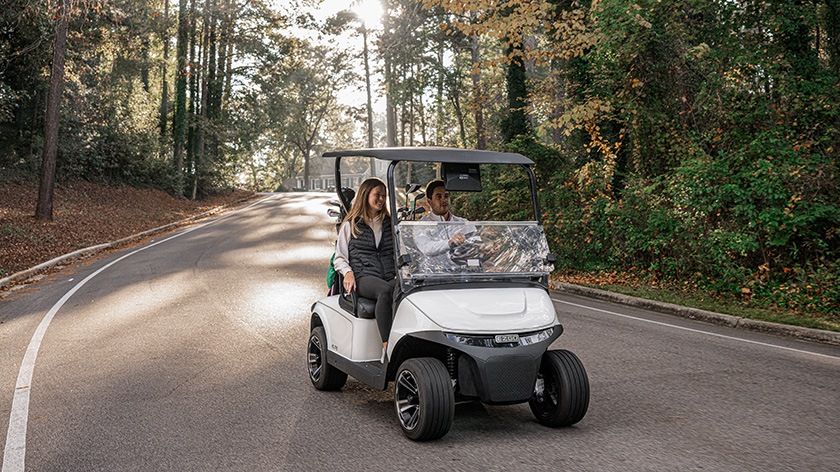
x=501 y=373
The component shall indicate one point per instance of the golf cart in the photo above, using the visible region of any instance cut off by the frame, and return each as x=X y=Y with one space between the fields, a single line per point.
x=472 y=323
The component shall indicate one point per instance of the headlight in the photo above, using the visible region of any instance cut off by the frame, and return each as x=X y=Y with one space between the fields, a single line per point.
x=480 y=341
x=534 y=338
x=502 y=340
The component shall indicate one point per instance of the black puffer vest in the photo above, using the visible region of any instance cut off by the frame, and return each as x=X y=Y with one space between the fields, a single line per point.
x=365 y=258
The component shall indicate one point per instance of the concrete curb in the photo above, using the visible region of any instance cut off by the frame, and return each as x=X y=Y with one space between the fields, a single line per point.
x=25 y=274
x=807 y=334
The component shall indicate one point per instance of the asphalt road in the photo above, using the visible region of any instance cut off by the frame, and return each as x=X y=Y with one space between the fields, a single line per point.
x=190 y=355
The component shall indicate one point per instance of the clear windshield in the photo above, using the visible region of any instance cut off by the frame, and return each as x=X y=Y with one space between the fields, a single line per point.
x=490 y=251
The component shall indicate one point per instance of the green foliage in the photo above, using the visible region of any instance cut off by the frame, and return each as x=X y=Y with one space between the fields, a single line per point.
x=704 y=149
x=506 y=194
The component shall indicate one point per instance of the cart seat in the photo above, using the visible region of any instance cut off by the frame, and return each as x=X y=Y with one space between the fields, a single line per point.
x=359 y=307
x=364 y=307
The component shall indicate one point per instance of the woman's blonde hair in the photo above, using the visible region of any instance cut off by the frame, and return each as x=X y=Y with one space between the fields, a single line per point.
x=360 y=205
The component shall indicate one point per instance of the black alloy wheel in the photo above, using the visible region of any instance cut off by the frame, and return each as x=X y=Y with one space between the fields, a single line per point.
x=424 y=399
x=561 y=393
x=322 y=375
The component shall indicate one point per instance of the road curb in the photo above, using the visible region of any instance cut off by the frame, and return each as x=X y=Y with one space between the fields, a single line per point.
x=807 y=334
x=25 y=274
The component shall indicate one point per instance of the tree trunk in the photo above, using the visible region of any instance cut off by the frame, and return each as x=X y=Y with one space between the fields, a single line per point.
x=144 y=67
x=422 y=111
x=180 y=125
x=478 y=100
x=455 y=96
x=371 y=161
x=795 y=37
x=390 y=112
x=558 y=110
x=206 y=68
x=306 y=171
x=164 y=94
x=529 y=44
x=516 y=122
x=411 y=117
x=439 y=98
x=197 y=51
x=367 y=84
x=212 y=84
x=456 y=101
x=219 y=99
x=195 y=74
x=229 y=72
x=403 y=120
x=221 y=68
x=832 y=33
x=44 y=208
x=556 y=67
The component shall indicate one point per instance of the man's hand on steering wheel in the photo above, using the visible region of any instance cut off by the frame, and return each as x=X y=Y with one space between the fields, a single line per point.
x=457 y=240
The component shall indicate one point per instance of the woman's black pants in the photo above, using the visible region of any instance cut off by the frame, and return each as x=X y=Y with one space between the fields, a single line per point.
x=383 y=292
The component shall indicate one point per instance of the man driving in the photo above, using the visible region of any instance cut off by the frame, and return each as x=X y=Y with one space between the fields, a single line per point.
x=445 y=236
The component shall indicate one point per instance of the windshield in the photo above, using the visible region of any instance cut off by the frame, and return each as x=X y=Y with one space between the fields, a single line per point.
x=505 y=193
x=489 y=251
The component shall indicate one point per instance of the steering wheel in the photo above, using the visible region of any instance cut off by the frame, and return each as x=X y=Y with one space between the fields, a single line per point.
x=469 y=249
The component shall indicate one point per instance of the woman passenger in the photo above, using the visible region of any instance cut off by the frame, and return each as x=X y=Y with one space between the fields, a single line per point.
x=364 y=252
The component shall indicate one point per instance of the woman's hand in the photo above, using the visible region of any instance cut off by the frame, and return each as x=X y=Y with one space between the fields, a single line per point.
x=349 y=282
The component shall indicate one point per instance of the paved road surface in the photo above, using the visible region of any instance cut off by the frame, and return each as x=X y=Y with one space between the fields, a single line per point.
x=189 y=355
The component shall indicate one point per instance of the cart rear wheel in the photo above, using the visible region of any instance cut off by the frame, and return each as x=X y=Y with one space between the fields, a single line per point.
x=561 y=394
x=322 y=375
x=424 y=399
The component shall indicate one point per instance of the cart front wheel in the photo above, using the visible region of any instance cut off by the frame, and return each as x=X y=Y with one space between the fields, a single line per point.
x=424 y=399
x=561 y=393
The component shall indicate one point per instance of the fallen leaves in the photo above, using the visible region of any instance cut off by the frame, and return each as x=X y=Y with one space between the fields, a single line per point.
x=84 y=215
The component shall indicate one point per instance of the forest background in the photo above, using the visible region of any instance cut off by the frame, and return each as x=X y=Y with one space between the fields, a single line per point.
x=690 y=143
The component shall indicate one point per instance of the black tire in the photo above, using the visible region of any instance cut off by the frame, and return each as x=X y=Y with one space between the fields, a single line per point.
x=424 y=399
x=561 y=394
x=322 y=375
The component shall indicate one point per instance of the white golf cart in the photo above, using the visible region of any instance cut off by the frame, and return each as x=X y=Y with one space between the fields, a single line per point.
x=473 y=323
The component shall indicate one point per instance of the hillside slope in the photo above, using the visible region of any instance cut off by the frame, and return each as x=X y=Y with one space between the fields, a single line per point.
x=86 y=214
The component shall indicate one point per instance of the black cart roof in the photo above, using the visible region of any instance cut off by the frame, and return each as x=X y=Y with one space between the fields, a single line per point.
x=435 y=154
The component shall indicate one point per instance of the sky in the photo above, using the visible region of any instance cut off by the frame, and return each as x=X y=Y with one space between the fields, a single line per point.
x=370 y=11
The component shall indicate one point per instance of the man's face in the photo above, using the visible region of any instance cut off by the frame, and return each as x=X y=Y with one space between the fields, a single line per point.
x=440 y=201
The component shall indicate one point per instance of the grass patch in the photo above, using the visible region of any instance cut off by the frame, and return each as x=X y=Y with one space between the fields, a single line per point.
x=727 y=307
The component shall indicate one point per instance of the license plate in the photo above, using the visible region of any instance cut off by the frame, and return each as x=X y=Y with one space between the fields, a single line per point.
x=507 y=338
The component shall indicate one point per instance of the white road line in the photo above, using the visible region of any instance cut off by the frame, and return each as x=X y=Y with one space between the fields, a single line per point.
x=696 y=330
x=15 y=450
